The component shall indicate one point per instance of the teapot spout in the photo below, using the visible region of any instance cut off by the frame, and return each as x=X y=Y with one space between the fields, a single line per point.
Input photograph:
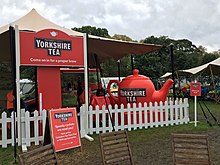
x=163 y=92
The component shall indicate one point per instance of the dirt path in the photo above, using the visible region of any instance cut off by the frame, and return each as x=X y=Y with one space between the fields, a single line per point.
x=145 y=152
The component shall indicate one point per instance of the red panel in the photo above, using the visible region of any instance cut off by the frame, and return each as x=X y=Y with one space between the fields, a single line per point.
x=195 y=89
x=51 y=47
x=49 y=85
x=64 y=128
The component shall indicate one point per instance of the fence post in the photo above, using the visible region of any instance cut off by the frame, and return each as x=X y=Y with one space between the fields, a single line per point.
x=90 y=120
x=140 y=115
x=161 y=111
x=176 y=110
x=181 y=110
x=151 y=115
x=104 y=111
x=44 y=119
x=129 y=116
x=134 y=116
x=27 y=128
x=13 y=127
x=23 y=131
x=166 y=113
x=4 y=130
x=171 y=112
x=156 y=118
x=116 y=119
x=186 y=110
x=146 y=115
x=36 y=127
x=122 y=120
x=97 y=119
x=82 y=121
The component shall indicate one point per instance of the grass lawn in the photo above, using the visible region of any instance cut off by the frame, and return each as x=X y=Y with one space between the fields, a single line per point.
x=7 y=155
x=152 y=145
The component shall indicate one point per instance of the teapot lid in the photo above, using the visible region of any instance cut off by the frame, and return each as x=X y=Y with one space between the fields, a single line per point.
x=136 y=76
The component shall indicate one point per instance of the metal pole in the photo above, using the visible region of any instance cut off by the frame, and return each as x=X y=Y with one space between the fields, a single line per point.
x=13 y=66
x=119 y=70
x=96 y=66
x=36 y=88
x=132 y=63
x=86 y=78
x=173 y=72
x=195 y=104
x=85 y=43
x=213 y=82
x=17 y=58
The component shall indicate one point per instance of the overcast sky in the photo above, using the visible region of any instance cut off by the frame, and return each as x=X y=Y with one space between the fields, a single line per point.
x=196 y=20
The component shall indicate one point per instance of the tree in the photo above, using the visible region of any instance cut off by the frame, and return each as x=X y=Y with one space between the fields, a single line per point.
x=101 y=32
x=186 y=55
x=121 y=37
x=28 y=72
x=208 y=57
x=155 y=64
x=125 y=62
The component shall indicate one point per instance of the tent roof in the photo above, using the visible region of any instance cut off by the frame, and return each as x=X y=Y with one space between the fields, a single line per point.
x=213 y=66
x=33 y=21
x=192 y=71
x=166 y=75
x=103 y=47
x=210 y=67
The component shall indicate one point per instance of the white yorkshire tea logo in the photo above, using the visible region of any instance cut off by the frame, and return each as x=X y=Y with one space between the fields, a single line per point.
x=131 y=94
x=53 y=47
x=63 y=116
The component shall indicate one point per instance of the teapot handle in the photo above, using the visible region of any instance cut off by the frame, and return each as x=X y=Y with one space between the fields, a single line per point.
x=109 y=90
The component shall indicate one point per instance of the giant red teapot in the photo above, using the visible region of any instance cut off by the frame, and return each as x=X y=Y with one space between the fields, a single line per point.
x=138 y=89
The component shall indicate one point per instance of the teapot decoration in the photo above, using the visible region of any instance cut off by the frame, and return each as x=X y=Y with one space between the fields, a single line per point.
x=138 y=88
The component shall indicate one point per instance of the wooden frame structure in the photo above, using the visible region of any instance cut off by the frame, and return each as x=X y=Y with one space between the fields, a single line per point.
x=191 y=149
x=115 y=148
x=44 y=155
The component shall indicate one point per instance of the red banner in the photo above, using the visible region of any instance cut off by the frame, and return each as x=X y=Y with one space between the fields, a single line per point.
x=50 y=47
x=64 y=129
x=195 y=89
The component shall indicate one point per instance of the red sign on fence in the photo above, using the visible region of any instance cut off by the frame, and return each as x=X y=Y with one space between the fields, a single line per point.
x=195 y=89
x=64 y=129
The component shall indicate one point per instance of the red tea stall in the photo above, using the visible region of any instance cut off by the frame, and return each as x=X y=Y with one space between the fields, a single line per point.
x=35 y=41
x=49 y=50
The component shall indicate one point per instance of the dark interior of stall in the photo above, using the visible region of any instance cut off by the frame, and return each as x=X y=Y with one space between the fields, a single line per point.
x=6 y=77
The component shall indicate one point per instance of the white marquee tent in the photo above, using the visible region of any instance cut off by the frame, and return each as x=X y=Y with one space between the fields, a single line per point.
x=212 y=68
x=103 y=47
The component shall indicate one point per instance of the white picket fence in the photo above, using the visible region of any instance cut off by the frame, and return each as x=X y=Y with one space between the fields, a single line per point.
x=98 y=120
x=31 y=130
x=157 y=115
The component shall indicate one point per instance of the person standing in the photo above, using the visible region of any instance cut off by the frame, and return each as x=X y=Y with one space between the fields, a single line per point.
x=10 y=109
x=10 y=102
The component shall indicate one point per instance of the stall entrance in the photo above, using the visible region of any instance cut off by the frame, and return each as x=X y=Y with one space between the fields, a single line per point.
x=73 y=86
x=57 y=87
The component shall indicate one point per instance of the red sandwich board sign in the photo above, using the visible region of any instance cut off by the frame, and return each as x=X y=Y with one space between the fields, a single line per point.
x=195 y=89
x=64 y=129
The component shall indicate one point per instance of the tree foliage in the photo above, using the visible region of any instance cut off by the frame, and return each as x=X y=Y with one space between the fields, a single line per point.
x=102 y=32
x=121 y=37
x=186 y=55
